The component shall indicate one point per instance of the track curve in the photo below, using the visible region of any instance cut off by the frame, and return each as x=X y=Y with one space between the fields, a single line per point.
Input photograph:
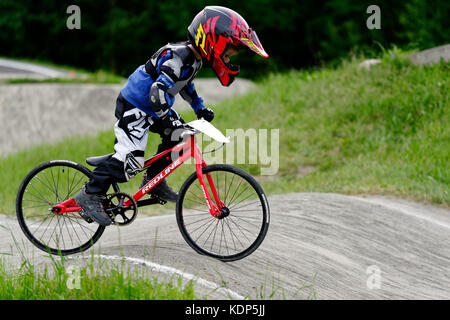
x=330 y=241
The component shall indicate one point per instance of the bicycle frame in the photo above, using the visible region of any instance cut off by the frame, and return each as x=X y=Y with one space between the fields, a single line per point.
x=190 y=150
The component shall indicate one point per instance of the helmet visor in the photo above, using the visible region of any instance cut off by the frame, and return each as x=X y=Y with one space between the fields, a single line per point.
x=253 y=43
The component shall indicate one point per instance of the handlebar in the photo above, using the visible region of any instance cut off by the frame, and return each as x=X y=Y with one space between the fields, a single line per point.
x=188 y=131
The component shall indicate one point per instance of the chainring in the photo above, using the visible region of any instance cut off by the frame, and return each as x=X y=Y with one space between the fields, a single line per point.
x=119 y=213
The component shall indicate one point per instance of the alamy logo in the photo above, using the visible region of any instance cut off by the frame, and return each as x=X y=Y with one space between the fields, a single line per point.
x=374 y=20
x=74 y=278
x=74 y=20
x=251 y=146
x=374 y=277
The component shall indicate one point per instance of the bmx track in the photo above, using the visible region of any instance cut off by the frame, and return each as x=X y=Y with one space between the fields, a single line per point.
x=326 y=246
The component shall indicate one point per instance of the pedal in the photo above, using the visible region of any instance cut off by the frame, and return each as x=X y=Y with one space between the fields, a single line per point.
x=85 y=216
x=158 y=200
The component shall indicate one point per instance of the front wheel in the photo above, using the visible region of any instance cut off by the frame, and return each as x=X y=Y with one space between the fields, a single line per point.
x=242 y=227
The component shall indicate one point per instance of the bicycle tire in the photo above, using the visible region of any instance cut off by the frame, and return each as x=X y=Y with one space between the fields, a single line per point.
x=26 y=222
x=261 y=230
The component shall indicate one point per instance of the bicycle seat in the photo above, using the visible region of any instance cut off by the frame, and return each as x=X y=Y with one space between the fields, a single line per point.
x=95 y=161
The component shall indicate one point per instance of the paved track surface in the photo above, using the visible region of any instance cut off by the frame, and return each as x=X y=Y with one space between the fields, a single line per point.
x=10 y=69
x=328 y=240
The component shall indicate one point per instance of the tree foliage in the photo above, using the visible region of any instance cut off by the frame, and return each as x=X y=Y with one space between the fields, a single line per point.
x=119 y=35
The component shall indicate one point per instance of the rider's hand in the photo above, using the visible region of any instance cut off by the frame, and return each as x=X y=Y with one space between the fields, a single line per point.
x=205 y=113
x=170 y=124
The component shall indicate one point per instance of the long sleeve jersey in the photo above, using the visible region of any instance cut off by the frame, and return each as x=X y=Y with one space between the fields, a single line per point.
x=152 y=87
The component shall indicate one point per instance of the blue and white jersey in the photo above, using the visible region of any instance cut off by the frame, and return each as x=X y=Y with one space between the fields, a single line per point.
x=152 y=87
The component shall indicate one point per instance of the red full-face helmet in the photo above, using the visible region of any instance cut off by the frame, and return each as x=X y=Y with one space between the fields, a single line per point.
x=213 y=31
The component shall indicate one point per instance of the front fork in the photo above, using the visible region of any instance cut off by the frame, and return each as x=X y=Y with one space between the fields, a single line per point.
x=218 y=211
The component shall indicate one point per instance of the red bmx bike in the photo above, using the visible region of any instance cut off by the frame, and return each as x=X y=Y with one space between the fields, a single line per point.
x=222 y=211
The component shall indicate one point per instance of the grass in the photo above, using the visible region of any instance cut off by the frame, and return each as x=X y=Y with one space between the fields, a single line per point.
x=383 y=131
x=379 y=132
x=93 y=280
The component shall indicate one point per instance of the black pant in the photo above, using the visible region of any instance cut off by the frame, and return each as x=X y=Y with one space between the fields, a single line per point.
x=131 y=130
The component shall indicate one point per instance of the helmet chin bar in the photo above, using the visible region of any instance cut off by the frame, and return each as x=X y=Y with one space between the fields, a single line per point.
x=226 y=72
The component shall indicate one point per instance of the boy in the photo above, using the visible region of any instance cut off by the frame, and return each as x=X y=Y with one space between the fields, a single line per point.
x=144 y=104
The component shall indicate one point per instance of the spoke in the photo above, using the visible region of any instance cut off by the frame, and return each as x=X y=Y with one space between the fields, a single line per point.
x=201 y=190
x=235 y=191
x=76 y=233
x=209 y=224
x=71 y=183
x=46 y=185
x=232 y=233
x=46 y=203
x=54 y=184
x=251 y=193
x=245 y=211
x=75 y=188
x=54 y=230
x=190 y=223
x=209 y=220
x=37 y=206
x=61 y=232
x=57 y=181
x=82 y=226
x=253 y=202
x=239 y=229
x=37 y=215
x=214 y=237
x=244 y=219
x=202 y=201
x=51 y=219
x=37 y=197
x=217 y=185
x=195 y=214
x=225 y=186
x=68 y=231
x=224 y=237
x=47 y=216
x=226 y=194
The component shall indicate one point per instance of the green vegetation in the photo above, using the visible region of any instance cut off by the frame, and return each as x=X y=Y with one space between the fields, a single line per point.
x=379 y=132
x=97 y=280
x=383 y=131
x=119 y=35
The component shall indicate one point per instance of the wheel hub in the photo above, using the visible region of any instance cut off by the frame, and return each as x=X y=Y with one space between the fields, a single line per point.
x=224 y=212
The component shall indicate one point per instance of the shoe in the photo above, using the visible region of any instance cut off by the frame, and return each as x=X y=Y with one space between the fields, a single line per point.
x=161 y=190
x=93 y=206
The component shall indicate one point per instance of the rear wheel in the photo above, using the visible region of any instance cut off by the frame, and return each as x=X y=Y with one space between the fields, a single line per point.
x=244 y=221
x=48 y=184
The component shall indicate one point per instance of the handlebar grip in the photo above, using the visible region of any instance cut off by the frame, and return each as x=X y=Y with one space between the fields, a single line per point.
x=188 y=132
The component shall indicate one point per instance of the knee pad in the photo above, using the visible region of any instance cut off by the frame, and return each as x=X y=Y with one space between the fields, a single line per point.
x=132 y=166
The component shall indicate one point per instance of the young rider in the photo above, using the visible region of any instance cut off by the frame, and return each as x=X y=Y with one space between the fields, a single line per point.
x=144 y=104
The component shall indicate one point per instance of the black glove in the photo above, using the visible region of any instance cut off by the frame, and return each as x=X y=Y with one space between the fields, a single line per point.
x=205 y=113
x=170 y=124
